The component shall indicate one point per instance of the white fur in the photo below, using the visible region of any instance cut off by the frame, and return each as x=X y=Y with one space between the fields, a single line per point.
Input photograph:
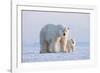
x=70 y=45
x=50 y=36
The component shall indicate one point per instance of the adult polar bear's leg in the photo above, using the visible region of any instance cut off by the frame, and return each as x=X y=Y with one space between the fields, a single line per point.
x=54 y=46
x=46 y=38
x=47 y=35
x=43 y=42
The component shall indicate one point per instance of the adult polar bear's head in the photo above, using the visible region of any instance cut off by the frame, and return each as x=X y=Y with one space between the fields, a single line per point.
x=63 y=31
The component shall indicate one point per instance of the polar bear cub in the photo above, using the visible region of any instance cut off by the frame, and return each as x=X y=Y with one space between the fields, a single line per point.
x=71 y=43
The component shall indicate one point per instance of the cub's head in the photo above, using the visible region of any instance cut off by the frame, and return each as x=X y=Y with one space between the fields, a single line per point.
x=72 y=43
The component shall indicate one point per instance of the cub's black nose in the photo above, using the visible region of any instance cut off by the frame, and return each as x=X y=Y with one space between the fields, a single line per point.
x=64 y=34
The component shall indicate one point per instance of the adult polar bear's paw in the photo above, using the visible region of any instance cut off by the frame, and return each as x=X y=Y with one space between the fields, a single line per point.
x=49 y=36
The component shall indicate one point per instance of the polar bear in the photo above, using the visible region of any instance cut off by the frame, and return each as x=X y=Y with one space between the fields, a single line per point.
x=71 y=43
x=50 y=36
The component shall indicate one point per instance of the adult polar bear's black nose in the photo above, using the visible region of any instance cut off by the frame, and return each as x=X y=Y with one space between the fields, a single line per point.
x=64 y=34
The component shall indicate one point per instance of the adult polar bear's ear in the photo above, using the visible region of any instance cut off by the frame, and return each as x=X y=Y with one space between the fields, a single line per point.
x=66 y=30
x=65 y=26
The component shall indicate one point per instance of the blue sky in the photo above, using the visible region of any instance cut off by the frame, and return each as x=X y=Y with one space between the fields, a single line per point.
x=33 y=21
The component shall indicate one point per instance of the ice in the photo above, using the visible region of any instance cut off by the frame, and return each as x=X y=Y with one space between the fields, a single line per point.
x=32 y=54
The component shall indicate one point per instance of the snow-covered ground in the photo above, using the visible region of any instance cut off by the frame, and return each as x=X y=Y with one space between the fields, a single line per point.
x=31 y=54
